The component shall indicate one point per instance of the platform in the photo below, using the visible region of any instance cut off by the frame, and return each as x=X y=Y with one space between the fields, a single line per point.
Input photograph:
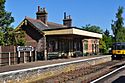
x=43 y=69
x=40 y=63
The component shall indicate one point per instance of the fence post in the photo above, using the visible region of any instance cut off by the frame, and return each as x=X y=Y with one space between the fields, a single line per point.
x=9 y=59
x=0 y=56
x=35 y=55
x=24 y=57
x=18 y=57
x=30 y=56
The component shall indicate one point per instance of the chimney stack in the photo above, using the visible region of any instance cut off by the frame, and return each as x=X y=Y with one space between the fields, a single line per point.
x=67 y=21
x=42 y=14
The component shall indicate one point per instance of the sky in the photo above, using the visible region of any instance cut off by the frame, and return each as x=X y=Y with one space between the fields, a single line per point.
x=83 y=12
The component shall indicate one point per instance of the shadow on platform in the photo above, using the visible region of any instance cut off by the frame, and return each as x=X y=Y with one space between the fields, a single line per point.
x=121 y=79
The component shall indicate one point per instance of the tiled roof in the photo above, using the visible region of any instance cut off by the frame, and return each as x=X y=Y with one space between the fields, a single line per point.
x=37 y=23
x=55 y=25
x=41 y=26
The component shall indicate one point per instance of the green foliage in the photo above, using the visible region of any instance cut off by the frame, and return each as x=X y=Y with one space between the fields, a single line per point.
x=117 y=27
x=6 y=31
x=5 y=17
x=1 y=38
x=102 y=46
x=7 y=34
x=93 y=28
x=21 y=42
x=20 y=38
x=105 y=42
x=108 y=39
x=107 y=32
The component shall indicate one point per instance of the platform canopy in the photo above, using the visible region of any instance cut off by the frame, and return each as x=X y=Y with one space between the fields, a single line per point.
x=72 y=31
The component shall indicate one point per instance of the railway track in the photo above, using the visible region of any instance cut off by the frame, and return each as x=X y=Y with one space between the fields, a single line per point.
x=84 y=74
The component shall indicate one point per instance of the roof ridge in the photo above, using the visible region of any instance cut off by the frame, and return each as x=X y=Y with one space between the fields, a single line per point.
x=49 y=25
x=35 y=20
x=31 y=18
x=54 y=23
x=57 y=24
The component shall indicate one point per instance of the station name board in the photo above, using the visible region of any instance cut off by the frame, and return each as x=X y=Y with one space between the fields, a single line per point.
x=25 y=48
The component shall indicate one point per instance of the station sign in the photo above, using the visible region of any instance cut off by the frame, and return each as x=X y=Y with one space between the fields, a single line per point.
x=25 y=48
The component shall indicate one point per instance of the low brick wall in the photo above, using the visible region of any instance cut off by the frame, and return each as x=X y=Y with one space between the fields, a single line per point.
x=39 y=73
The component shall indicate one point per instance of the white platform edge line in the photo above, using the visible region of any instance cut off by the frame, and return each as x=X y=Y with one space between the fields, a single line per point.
x=94 y=81
x=52 y=65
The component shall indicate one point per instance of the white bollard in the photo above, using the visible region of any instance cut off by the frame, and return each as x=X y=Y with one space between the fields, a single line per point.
x=9 y=59
x=30 y=53
x=19 y=54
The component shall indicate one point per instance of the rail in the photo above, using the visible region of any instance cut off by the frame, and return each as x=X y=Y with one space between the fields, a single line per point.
x=95 y=81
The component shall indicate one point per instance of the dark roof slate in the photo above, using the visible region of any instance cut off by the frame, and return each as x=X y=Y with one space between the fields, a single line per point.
x=41 y=26
x=37 y=23
x=55 y=25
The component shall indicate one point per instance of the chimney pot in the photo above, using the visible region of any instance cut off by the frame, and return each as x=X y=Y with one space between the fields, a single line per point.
x=44 y=10
x=38 y=8
x=69 y=16
x=64 y=15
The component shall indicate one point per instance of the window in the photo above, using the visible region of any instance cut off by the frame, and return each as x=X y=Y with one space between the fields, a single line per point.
x=123 y=47
x=118 y=47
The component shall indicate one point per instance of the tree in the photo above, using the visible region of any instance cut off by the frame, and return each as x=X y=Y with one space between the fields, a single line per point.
x=5 y=17
x=20 y=37
x=102 y=46
x=117 y=26
x=93 y=28
x=106 y=32
x=6 y=30
x=107 y=38
x=1 y=37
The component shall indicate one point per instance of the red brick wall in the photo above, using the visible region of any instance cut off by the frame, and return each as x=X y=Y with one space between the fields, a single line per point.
x=90 y=42
x=90 y=45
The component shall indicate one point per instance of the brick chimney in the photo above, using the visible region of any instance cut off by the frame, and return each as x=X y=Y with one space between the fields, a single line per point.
x=42 y=15
x=67 y=21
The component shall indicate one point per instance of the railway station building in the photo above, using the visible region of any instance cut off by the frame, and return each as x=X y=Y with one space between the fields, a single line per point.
x=51 y=38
